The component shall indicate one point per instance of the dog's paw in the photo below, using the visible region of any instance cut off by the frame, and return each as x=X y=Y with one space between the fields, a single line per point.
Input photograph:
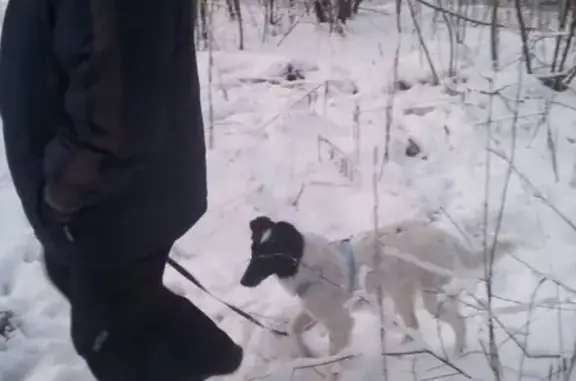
x=459 y=349
x=335 y=371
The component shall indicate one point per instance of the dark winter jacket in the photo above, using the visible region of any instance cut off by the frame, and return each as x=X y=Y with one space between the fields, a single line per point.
x=101 y=113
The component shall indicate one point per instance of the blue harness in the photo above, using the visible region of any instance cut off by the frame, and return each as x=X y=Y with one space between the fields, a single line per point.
x=350 y=260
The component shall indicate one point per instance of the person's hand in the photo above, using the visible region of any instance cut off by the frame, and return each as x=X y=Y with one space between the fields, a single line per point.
x=57 y=209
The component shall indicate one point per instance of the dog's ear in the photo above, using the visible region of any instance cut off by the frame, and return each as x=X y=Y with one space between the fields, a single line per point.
x=287 y=230
x=261 y=223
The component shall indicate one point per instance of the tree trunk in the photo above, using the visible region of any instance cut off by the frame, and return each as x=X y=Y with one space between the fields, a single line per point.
x=238 y=13
x=344 y=10
x=203 y=5
x=323 y=10
x=231 y=9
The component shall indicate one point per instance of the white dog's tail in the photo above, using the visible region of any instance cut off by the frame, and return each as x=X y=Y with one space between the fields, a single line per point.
x=504 y=245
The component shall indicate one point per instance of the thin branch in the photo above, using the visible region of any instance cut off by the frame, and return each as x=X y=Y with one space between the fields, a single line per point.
x=429 y=352
x=466 y=18
x=524 y=36
x=536 y=191
x=543 y=275
x=322 y=362
x=572 y=365
x=435 y=77
x=377 y=259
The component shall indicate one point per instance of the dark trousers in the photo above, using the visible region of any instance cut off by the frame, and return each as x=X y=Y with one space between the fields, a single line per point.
x=128 y=326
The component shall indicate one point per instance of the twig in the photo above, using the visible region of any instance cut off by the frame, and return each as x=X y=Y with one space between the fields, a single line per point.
x=392 y=96
x=278 y=115
x=523 y=347
x=465 y=18
x=294 y=25
x=560 y=323
x=460 y=230
x=210 y=76
x=536 y=191
x=507 y=117
x=562 y=16
x=453 y=42
x=505 y=188
x=572 y=365
x=428 y=352
x=377 y=260
x=316 y=363
x=435 y=77
x=297 y=198
x=440 y=377
x=492 y=353
x=550 y=140
x=414 y=373
x=311 y=364
x=524 y=36
x=543 y=275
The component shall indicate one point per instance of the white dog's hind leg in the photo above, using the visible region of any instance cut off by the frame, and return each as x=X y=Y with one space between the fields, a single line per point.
x=447 y=311
x=297 y=327
x=404 y=304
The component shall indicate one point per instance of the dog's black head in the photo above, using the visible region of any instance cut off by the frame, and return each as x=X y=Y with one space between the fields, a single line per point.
x=277 y=248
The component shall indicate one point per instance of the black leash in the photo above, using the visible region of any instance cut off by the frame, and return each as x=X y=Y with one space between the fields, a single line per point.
x=186 y=274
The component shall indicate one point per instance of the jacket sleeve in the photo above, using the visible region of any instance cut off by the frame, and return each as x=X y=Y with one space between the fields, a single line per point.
x=114 y=58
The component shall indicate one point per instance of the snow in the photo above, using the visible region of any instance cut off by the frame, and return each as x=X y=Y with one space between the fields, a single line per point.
x=268 y=159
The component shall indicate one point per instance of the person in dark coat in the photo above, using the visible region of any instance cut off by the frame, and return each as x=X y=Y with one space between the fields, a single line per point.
x=100 y=104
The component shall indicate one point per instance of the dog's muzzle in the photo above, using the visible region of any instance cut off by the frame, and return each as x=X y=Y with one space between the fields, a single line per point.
x=251 y=278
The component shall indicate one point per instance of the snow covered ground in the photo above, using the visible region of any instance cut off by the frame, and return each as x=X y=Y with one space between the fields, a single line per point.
x=274 y=141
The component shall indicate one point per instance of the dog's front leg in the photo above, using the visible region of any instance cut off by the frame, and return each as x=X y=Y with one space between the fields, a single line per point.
x=339 y=326
x=340 y=331
x=297 y=327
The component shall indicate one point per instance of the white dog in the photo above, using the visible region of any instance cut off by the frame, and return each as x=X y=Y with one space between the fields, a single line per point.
x=415 y=257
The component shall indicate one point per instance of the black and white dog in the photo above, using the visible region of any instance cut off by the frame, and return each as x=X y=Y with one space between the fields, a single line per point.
x=416 y=257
